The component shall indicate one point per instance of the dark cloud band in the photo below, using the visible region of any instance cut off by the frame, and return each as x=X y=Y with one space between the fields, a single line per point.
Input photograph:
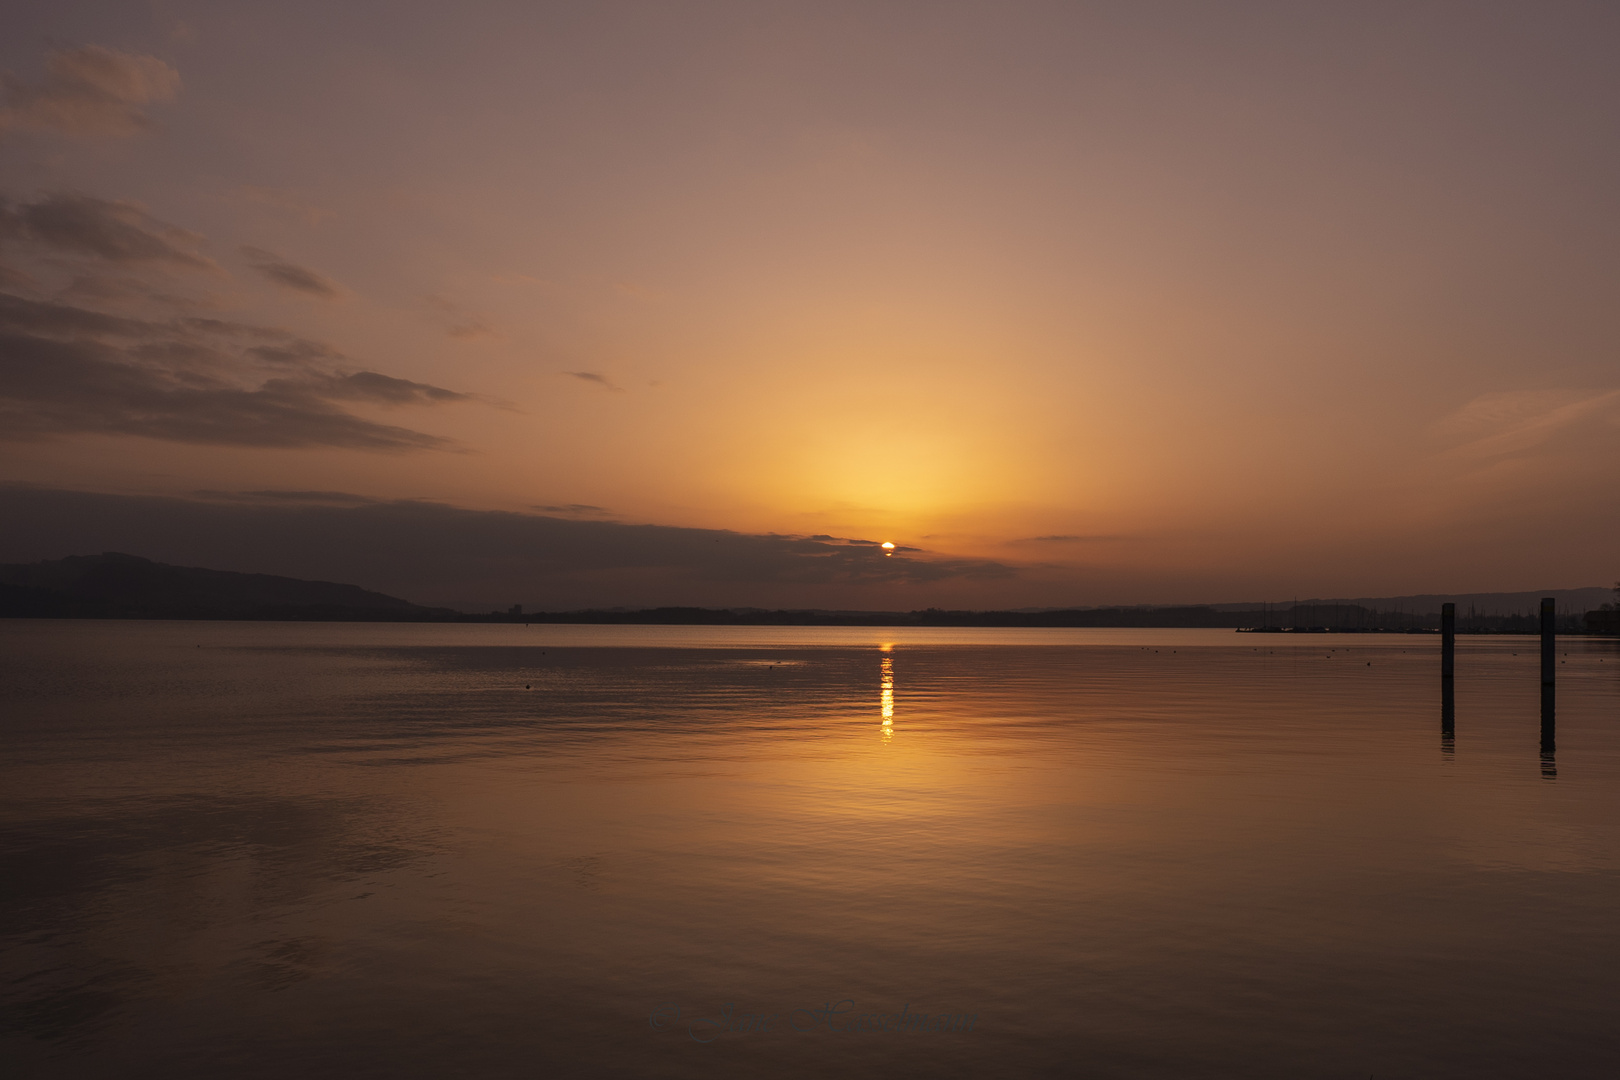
x=67 y=370
x=116 y=231
x=402 y=548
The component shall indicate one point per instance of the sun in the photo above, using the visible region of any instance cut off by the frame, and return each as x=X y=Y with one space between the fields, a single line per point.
x=888 y=547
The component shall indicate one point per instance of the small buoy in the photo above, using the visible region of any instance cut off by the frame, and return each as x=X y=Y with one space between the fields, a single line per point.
x=525 y=686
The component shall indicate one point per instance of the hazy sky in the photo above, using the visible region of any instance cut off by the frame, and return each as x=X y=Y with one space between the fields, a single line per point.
x=1086 y=303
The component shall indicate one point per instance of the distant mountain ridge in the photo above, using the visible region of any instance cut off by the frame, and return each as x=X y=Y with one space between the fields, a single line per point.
x=118 y=586
x=113 y=585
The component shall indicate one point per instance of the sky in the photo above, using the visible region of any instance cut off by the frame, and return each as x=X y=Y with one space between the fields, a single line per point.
x=649 y=303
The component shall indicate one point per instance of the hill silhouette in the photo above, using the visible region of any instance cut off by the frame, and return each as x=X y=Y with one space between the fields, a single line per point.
x=118 y=586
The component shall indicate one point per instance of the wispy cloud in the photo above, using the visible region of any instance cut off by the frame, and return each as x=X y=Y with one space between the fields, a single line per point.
x=595 y=377
x=458 y=322
x=69 y=366
x=89 y=91
x=51 y=387
x=374 y=387
x=1502 y=425
x=67 y=369
x=285 y=202
x=118 y=232
x=291 y=275
x=471 y=328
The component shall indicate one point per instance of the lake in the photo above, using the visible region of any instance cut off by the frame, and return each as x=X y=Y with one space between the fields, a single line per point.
x=252 y=849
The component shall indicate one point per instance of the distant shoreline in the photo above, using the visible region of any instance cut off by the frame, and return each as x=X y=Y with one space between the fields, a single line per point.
x=119 y=586
x=896 y=620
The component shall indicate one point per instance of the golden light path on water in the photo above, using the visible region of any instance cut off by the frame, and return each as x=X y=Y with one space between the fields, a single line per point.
x=887 y=693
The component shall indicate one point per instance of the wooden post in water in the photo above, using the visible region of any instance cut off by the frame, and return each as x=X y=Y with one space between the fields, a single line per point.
x=1549 y=733
x=1448 y=640
x=1448 y=715
x=1549 y=641
x=1549 y=675
x=1448 y=671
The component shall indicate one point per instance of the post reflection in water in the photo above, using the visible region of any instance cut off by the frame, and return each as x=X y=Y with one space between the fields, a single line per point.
x=1448 y=717
x=886 y=696
x=1549 y=734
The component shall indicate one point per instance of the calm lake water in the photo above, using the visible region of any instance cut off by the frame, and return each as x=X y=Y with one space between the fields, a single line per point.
x=238 y=849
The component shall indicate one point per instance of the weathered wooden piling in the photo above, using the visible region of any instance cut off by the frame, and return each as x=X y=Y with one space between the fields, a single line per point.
x=1448 y=671
x=1448 y=640
x=1549 y=641
x=1549 y=733
x=1448 y=715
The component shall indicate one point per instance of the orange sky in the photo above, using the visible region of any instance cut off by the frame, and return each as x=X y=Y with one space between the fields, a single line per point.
x=1146 y=302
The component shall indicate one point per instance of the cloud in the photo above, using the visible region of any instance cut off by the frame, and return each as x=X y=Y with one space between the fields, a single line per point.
x=119 y=232
x=471 y=328
x=332 y=498
x=384 y=389
x=286 y=202
x=595 y=377
x=68 y=370
x=583 y=509
x=89 y=91
x=69 y=367
x=291 y=351
x=125 y=291
x=459 y=323
x=17 y=279
x=1514 y=423
x=44 y=317
x=1065 y=538
x=228 y=328
x=290 y=275
x=398 y=547
x=59 y=388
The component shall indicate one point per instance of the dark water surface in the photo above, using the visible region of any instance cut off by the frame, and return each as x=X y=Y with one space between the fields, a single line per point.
x=363 y=850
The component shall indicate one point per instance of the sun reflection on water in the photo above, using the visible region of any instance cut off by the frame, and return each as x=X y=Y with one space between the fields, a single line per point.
x=887 y=696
